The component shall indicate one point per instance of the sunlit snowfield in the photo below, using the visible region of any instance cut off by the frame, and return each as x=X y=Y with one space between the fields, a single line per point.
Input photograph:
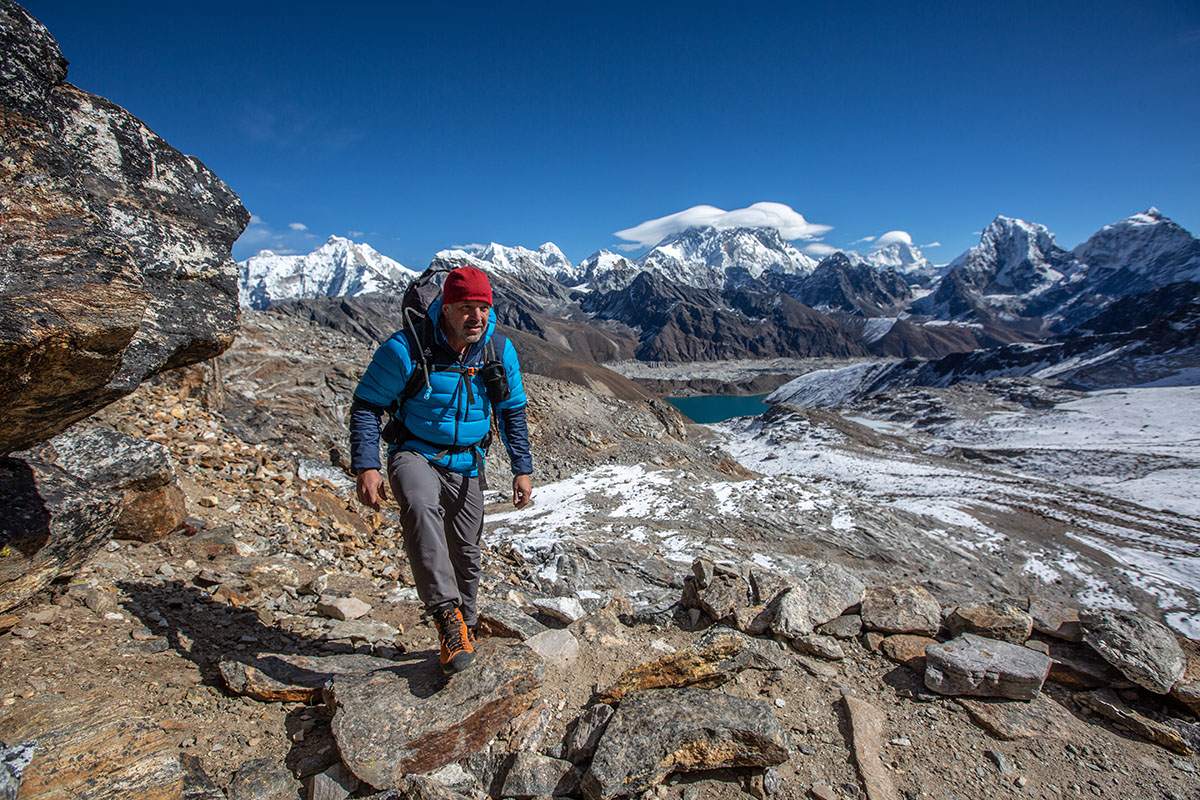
x=1111 y=478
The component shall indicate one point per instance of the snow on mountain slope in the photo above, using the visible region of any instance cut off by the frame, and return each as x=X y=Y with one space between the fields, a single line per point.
x=1015 y=257
x=521 y=263
x=1112 y=498
x=904 y=257
x=338 y=268
x=1139 y=253
x=711 y=258
x=602 y=271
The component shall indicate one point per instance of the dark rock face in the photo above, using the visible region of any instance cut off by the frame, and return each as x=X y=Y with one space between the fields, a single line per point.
x=840 y=285
x=52 y=523
x=115 y=247
x=680 y=323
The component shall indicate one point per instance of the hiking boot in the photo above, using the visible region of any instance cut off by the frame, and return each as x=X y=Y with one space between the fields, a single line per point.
x=471 y=635
x=457 y=650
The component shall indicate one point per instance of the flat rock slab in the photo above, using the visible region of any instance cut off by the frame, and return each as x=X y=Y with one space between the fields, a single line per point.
x=1145 y=651
x=282 y=677
x=901 y=608
x=1106 y=703
x=712 y=660
x=866 y=733
x=1041 y=718
x=503 y=619
x=93 y=746
x=409 y=718
x=660 y=731
x=973 y=665
x=556 y=646
x=1001 y=621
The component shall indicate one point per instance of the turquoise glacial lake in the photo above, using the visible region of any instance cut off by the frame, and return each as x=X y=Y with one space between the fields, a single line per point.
x=717 y=407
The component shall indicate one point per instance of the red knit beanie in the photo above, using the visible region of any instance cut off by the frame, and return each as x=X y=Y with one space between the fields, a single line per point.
x=467 y=284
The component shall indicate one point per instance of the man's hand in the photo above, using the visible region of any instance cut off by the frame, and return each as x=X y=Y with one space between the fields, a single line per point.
x=522 y=491
x=372 y=488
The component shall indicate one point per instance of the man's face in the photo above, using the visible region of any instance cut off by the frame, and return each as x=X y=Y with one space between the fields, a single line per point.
x=465 y=322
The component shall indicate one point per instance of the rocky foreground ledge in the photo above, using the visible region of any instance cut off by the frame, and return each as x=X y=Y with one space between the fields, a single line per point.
x=267 y=678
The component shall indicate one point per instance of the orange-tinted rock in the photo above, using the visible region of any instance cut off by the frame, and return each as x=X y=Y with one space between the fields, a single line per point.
x=907 y=649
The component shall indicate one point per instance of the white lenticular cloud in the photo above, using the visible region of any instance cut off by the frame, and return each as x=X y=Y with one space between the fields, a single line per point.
x=891 y=237
x=354 y=234
x=789 y=223
x=931 y=244
x=297 y=226
x=255 y=219
x=862 y=240
x=819 y=249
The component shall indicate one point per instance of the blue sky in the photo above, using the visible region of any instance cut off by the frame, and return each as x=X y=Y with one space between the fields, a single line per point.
x=415 y=128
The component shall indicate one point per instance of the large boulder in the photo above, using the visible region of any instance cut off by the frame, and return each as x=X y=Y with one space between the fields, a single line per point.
x=139 y=471
x=114 y=247
x=660 y=731
x=409 y=718
x=52 y=524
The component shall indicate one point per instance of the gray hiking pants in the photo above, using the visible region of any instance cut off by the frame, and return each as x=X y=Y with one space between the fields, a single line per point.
x=442 y=515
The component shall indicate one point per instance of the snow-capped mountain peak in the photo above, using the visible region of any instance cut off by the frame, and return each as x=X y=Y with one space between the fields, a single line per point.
x=340 y=267
x=1148 y=246
x=1015 y=257
x=547 y=262
x=712 y=258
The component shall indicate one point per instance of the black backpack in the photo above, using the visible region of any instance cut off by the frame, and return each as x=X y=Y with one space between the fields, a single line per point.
x=418 y=330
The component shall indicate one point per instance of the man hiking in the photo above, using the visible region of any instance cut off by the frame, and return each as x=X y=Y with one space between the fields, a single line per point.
x=441 y=380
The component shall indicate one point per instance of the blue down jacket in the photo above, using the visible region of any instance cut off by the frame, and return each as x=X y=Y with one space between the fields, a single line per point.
x=450 y=414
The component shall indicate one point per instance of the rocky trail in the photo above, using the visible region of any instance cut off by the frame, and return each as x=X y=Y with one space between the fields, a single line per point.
x=272 y=645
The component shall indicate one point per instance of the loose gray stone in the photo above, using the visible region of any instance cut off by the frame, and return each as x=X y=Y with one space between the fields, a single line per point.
x=503 y=619
x=262 y=779
x=972 y=665
x=1002 y=764
x=1145 y=651
x=1001 y=621
x=581 y=740
x=13 y=761
x=343 y=608
x=532 y=775
x=814 y=644
x=563 y=609
x=660 y=731
x=335 y=783
x=712 y=660
x=556 y=646
x=139 y=471
x=823 y=594
x=847 y=626
x=363 y=630
x=901 y=608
